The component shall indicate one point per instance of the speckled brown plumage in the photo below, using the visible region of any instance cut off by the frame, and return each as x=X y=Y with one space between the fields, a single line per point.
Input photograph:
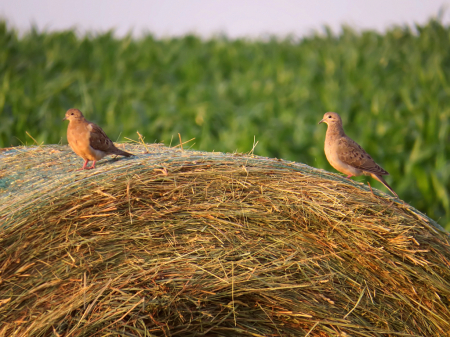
x=347 y=156
x=88 y=140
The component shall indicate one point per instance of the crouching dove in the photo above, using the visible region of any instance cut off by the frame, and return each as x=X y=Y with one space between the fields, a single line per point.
x=346 y=156
x=88 y=140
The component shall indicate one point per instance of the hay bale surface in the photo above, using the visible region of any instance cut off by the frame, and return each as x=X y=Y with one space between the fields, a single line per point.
x=185 y=243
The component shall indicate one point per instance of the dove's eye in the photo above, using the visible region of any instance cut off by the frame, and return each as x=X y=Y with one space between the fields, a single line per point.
x=328 y=116
x=72 y=113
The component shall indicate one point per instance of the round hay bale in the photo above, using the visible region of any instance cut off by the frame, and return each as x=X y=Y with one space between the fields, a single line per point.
x=186 y=243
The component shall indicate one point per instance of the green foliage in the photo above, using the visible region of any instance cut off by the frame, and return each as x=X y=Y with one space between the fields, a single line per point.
x=390 y=89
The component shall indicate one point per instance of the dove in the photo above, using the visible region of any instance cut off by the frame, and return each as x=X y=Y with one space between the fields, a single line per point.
x=346 y=156
x=88 y=140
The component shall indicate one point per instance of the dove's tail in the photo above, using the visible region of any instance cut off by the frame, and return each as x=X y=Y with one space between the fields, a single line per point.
x=122 y=153
x=381 y=180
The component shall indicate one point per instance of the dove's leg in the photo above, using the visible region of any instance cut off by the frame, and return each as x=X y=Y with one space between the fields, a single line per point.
x=370 y=188
x=349 y=176
x=84 y=166
x=87 y=167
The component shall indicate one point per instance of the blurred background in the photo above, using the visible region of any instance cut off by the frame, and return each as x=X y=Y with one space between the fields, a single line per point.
x=228 y=72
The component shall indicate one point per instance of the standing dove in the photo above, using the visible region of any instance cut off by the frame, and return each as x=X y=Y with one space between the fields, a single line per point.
x=346 y=156
x=88 y=140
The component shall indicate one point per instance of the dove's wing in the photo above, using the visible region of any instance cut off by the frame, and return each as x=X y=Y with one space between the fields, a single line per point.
x=354 y=155
x=98 y=139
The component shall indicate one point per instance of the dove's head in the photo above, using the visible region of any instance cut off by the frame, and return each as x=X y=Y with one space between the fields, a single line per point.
x=331 y=118
x=73 y=114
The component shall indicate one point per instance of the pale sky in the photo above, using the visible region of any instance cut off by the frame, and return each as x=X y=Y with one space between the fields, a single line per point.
x=235 y=18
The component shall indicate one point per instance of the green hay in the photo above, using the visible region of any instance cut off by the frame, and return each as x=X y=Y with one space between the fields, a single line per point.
x=186 y=243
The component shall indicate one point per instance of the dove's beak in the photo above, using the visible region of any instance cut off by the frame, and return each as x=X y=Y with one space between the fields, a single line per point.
x=322 y=121
x=65 y=118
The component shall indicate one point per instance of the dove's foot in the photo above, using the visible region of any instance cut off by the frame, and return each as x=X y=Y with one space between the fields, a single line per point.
x=87 y=167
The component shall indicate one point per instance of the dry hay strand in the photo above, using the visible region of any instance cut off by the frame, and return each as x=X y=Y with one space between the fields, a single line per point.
x=185 y=243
